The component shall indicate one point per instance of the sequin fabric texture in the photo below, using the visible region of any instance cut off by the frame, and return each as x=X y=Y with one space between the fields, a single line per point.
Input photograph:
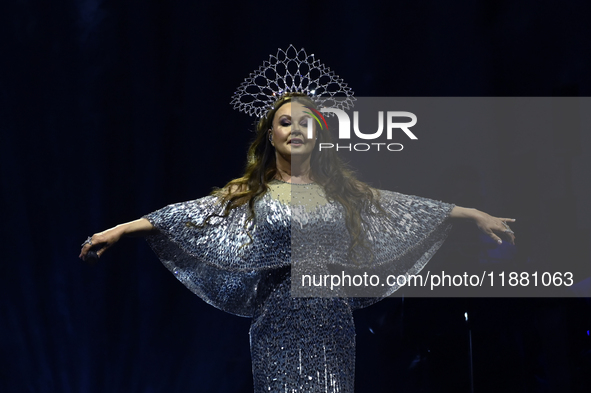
x=298 y=344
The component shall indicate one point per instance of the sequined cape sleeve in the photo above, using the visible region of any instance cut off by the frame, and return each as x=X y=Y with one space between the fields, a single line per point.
x=222 y=261
x=404 y=239
x=399 y=239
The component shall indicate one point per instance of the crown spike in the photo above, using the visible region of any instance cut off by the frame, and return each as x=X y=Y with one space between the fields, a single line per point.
x=257 y=94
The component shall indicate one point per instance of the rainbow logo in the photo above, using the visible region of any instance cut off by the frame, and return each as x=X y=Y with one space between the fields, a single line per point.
x=315 y=114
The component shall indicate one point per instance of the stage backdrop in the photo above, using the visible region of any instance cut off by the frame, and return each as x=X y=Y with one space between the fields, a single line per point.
x=112 y=109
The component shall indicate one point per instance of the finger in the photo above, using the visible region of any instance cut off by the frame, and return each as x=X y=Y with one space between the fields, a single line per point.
x=84 y=253
x=87 y=246
x=495 y=238
x=510 y=236
x=85 y=250
x=102 y=250
x=507 y=232
x=507 y=219
x=90 y=241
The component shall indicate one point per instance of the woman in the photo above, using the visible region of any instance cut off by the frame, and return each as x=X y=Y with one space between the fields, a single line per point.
x=234 y=247
x=296 y=212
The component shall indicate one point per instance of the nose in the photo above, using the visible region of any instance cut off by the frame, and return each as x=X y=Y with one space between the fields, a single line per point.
x=296 y=129
x=297 y=133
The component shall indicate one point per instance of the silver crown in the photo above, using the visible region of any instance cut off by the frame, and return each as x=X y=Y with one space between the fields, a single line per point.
x=291 y=71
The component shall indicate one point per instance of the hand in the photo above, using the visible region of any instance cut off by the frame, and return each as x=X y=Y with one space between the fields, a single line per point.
x=100 y=242
x=494 y=225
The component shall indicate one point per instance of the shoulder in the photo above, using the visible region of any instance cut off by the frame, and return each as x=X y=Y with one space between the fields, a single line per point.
x=236 y=188
x=367 y=190
x=230 y=190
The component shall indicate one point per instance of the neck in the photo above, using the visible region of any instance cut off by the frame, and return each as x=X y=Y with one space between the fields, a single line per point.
x=294 y=169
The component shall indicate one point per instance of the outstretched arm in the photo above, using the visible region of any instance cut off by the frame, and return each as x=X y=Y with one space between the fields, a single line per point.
x=486 y=223
x=106 y=239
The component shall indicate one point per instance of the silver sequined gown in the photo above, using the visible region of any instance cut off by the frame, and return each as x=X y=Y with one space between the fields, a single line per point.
x=304 y=344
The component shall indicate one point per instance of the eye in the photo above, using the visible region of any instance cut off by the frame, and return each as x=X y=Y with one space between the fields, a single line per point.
x=285 y=123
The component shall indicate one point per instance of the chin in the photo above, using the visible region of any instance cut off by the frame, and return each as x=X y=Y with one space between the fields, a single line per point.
x=300 y=151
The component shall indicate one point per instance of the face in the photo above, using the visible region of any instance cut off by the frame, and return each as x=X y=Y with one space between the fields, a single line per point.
x=290 y=130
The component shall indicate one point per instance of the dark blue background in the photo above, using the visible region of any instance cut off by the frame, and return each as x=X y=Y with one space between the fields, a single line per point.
x=112 y=109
